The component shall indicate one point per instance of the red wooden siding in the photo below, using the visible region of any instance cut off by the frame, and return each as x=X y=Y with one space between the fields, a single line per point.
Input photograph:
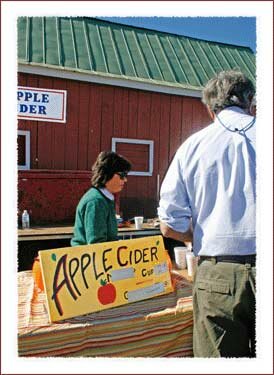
x=51 y=197
x=138 y=155
x=95 y=114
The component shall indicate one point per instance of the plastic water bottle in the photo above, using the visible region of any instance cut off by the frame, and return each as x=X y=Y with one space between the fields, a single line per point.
x=25 y=219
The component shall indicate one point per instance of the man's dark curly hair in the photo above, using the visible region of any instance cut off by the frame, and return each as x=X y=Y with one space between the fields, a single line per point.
x=106 y=165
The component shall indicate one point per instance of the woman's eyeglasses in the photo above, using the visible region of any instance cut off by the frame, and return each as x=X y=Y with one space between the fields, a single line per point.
x=122 y=175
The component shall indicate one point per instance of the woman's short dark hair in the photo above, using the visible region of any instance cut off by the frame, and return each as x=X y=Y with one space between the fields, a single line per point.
x=105 y=167
x=227 y=89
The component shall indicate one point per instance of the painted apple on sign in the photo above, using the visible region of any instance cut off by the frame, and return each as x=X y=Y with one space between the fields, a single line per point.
x=106 y=293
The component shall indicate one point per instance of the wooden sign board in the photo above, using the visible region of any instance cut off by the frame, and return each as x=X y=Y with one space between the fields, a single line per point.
x=84 y=279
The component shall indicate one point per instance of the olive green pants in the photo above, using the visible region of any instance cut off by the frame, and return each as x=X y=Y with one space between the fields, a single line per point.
x=224 y=310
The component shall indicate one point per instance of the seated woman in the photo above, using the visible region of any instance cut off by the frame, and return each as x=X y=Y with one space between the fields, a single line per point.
x=95 y=219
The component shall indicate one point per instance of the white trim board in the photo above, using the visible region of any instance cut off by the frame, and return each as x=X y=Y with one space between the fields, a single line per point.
x=112 y=81
x=114 y=141
x=26 y=133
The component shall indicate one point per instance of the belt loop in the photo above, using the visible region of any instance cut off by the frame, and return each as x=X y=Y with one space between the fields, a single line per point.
x=214 y=260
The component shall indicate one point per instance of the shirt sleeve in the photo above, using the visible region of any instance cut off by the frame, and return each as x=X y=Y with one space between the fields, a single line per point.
x=95 y=219
x=174 y=208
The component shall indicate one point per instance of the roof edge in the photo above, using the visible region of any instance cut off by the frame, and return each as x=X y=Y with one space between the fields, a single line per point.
x=110 y=79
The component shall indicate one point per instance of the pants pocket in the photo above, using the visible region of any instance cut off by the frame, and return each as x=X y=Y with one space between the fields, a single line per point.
x=212 y=315
x=210 y=286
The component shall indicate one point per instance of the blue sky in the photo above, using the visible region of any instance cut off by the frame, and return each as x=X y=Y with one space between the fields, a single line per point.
x=232 y=30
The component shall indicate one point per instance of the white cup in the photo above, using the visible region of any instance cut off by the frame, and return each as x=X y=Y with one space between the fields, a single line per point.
x=191 y=262
x=180 y=256
x=138 y=222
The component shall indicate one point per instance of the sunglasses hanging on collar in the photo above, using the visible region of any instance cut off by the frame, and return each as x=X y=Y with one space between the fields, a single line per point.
x=236 y=130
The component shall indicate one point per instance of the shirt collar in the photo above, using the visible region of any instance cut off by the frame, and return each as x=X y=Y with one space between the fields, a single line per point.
x=107 y=193
x=230 y=117
x=229 y=111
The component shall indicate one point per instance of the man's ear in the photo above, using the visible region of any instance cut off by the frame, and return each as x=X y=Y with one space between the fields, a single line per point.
x=252 y=106
x=211 y=113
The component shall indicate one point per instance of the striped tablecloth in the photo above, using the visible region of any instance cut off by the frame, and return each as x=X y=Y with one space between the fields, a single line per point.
x=158 y=327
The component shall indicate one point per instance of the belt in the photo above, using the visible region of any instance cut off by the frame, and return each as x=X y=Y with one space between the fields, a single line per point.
x=242 y=259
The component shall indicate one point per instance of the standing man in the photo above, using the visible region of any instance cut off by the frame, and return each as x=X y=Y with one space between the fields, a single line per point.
x=209 y=193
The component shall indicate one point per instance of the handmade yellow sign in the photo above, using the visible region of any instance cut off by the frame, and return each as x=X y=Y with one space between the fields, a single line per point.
x=83 y=279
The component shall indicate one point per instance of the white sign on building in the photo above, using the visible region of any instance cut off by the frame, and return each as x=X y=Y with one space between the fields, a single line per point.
x=41 y=104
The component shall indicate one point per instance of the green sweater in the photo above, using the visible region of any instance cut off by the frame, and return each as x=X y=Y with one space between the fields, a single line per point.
x=95 y=219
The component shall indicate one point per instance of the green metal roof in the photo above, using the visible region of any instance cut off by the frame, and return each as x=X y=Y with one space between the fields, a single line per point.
x=109 y=49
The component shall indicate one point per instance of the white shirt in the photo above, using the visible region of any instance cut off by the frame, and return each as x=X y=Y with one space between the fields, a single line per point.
x=107 y=193
x=212 y=179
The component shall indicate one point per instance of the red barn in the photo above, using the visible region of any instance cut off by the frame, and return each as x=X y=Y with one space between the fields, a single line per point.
x=87 y=85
